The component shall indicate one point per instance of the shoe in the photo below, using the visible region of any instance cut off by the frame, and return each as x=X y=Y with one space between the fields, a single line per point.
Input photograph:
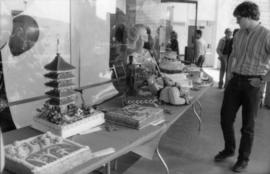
x=240 y=166
x=221 y=156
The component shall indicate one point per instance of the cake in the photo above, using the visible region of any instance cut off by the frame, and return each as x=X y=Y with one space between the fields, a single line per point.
x=64 y=125
x=174 y=95
x=170 y=64
x=60 y=114
x=45 y=154
x=134 y=116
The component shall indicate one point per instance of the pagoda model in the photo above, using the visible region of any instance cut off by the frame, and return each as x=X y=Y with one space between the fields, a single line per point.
x=60 y=115
x=62 y=95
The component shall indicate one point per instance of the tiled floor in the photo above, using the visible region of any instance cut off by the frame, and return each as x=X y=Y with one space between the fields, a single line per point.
x=189 y=152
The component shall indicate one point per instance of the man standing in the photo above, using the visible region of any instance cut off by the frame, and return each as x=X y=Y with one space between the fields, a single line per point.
x=174 y=46
x=250 y=69
x=200 y=49
x=223 y=51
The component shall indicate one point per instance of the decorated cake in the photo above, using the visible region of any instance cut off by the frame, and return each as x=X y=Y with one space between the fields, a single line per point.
x=66 y=125
x=45 y=154
x=170 y=64
x=134 y=116
x=174 y=95
x=60 y=114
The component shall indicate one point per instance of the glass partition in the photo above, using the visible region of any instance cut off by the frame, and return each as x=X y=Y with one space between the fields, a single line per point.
x=166 y=23
x=169 y=25
x=98 y=37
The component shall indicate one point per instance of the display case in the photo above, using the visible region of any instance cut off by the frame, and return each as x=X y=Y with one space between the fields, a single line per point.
x=95 y=36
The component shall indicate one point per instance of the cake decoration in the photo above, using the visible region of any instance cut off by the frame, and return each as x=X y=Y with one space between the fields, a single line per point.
x=60 y=114
x=59 y=64
x=62 y=75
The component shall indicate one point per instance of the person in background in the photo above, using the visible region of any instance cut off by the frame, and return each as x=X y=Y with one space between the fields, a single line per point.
x=223 y=50
x=200 y=49
x=174 y=46
x=228 y=68
x=149 y=44
x=250 y=70
x=118 y=44
x=157 y=44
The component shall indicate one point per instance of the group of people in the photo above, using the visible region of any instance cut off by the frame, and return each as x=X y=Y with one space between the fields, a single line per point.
x=224 y=50
x=245 y=58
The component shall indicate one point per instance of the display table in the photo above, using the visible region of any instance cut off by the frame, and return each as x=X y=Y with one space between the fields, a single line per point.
x=143 y=142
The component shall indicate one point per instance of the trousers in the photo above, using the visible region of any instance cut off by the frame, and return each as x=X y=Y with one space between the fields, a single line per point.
x=239 y=93
x=222 y=71
x=200 y=61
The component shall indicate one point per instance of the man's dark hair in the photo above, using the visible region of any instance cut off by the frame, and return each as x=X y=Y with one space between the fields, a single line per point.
x=199 y=32
x=247 y=9
x=120 y=33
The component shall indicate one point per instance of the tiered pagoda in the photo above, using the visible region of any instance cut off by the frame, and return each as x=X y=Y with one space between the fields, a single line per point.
x=60 y=75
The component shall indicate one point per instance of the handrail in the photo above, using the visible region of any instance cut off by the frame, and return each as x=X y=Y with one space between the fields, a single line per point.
x=41 y=97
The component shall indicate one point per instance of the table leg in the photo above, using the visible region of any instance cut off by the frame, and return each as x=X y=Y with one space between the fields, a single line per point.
x=115 y=164
x=162 y=161
x=108 y=168
x=198 y=115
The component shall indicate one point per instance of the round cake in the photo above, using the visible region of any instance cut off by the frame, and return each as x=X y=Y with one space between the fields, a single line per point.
x=170 y=64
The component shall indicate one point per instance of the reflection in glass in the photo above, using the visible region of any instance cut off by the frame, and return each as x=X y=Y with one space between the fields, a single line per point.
x=170 y=27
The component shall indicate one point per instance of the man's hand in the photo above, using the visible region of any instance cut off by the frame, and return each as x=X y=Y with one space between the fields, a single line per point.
x=229 y=76
x=220 y=56
x=256 y=82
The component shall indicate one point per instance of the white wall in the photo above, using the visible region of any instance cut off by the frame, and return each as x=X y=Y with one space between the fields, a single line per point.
x=206 y=10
